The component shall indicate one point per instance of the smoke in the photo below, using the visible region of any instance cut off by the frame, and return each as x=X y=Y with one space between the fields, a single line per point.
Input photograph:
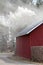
x=21 y=17
x=20 y=1
x=17 y=18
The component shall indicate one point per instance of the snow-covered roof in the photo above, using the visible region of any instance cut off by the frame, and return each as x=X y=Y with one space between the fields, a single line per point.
x=29 y=29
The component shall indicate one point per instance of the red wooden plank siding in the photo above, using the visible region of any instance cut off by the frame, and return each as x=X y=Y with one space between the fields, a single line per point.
x=37 y=36
x=25 y=42
x=23 y=46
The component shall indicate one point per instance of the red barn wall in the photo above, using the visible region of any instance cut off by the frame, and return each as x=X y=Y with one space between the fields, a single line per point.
x=36 y=36
x=36 y=40
x=27 y=45
x=23 y=46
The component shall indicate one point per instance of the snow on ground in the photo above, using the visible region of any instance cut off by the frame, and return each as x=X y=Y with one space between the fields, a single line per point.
x=4 y=60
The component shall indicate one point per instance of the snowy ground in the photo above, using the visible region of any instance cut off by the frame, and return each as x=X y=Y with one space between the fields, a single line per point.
x=5 y=61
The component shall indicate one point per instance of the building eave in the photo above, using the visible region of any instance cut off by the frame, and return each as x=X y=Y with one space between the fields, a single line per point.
x=29 y=29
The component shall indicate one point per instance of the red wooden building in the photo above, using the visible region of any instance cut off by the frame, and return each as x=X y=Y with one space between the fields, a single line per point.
x=30 y=43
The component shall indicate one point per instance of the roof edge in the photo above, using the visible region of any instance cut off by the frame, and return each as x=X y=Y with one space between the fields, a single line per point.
x=34 y=27
x=29 y=29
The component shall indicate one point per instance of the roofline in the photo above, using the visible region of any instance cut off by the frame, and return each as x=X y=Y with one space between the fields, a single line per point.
x=34 y=27
x=30 y=29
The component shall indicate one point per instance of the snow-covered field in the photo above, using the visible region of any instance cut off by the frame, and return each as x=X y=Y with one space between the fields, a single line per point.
x=4 y=60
